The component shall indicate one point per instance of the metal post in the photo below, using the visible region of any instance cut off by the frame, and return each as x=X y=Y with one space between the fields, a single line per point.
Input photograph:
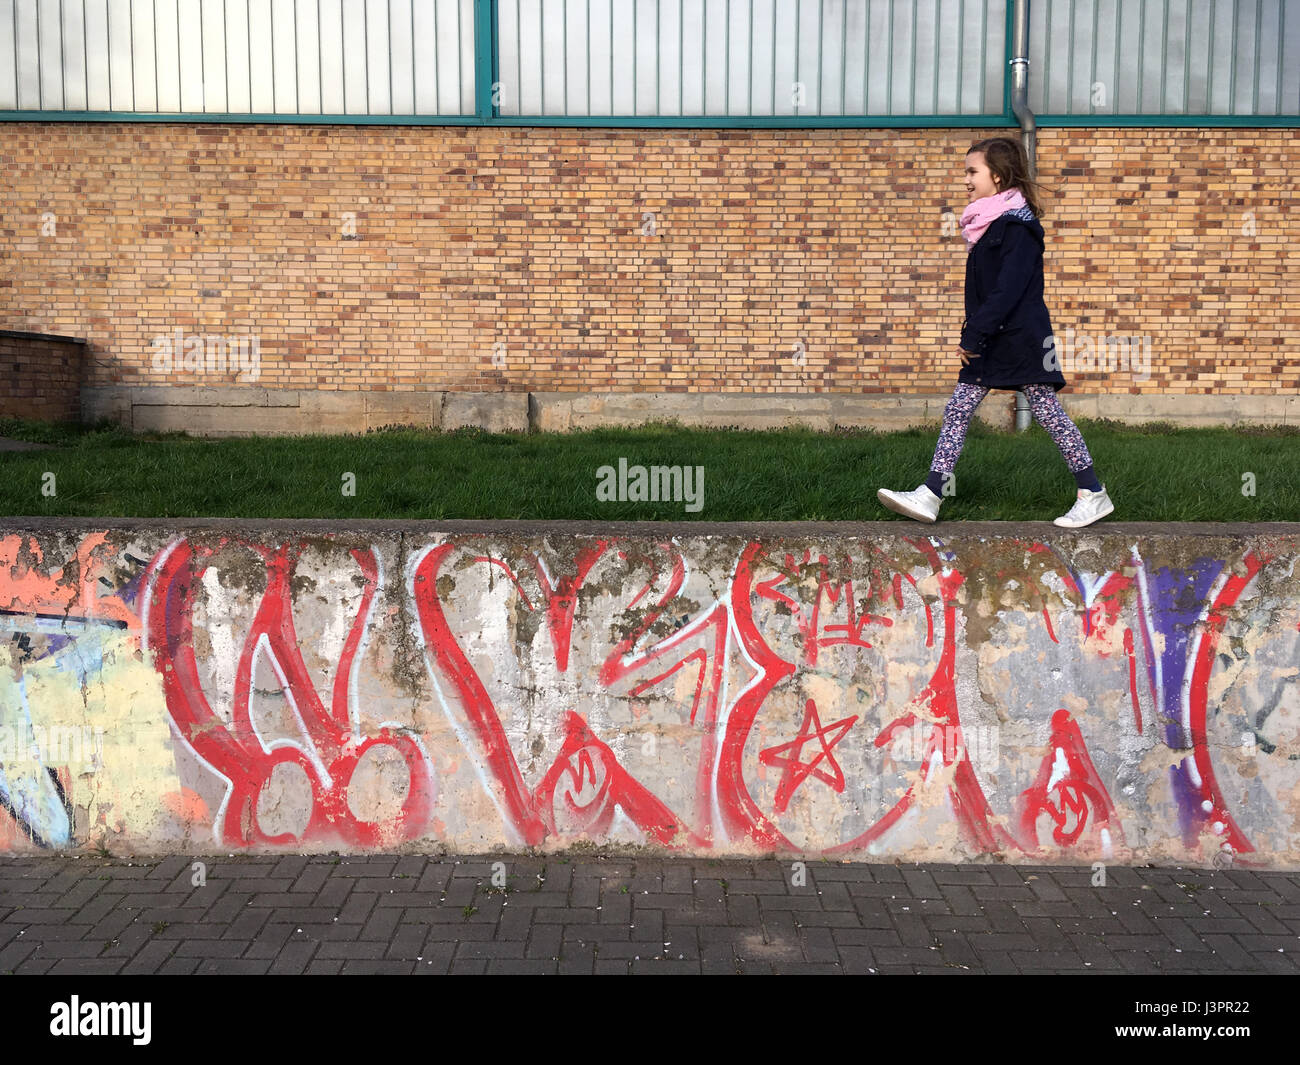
x=1020 y=106
x=485 y=59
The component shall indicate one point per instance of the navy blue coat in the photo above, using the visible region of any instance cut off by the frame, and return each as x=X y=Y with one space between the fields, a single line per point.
x=1007 y=323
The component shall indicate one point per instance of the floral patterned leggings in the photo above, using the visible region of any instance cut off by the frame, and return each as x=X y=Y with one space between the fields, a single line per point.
x=1047 y=411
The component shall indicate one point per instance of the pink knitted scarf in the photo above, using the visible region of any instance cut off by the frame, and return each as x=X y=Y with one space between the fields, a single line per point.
x=981 y=213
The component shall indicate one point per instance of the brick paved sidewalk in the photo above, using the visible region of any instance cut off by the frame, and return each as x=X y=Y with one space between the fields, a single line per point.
x=368 y=914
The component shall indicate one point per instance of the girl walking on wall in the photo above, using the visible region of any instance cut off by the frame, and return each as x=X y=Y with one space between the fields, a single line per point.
x=1004 y=338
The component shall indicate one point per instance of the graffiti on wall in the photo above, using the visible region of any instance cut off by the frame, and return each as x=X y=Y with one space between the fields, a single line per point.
x=906 y=696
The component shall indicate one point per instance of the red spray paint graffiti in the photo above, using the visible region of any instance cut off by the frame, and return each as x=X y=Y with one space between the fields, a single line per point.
x=747 y=680
x=1070 y=793
x=585 y=784
x=333 y=745
x=937 y=702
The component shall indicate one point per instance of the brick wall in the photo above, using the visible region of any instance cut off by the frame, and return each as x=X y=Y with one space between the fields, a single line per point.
x=536 y=239
x=40 y=376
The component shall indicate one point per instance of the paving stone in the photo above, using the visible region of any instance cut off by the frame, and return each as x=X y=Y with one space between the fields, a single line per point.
x=75 y=949
x=521 y=966
x=1271 y=962
x=663 y=967
x=86 y=967
x=412 y=913
x=381 y=924
x=380 y=967
x=233 y=967
x=148 y=959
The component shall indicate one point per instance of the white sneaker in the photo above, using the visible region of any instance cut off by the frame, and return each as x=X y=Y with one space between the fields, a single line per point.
x=1089 y=507
x=922 y=504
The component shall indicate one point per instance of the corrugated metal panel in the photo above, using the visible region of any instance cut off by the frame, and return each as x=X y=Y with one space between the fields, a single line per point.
x=665 y=62
x=554 y=57
x=1165 y=57
x=751 y=57
x=271 y=57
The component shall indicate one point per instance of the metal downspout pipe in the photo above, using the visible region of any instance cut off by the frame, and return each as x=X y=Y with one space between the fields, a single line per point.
x=1029 y=134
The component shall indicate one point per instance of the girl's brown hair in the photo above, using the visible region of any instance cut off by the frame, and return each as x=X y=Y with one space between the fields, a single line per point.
x=1007 y=161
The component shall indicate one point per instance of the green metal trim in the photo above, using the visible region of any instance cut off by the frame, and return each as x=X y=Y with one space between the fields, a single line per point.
x=1190 y=121
x=241 y=118
x=738 y=122
x=627 y=121
x=485 y=60
x=666 y=121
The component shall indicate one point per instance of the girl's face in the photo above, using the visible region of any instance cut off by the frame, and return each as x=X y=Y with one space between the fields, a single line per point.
x=979 y=182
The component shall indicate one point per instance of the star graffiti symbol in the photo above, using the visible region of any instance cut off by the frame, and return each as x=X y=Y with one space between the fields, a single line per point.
x=796 y=770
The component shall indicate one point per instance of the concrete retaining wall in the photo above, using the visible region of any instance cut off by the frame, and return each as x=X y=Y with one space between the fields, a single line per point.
x=1128 y=694
x=266 y=411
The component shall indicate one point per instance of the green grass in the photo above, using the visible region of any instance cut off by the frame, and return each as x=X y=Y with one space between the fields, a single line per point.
x=1153 y=472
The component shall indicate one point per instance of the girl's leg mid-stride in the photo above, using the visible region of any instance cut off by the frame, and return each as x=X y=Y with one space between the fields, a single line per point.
x=923 y=503
x=1049 y=413
x=1093 y=502
x=957 y=414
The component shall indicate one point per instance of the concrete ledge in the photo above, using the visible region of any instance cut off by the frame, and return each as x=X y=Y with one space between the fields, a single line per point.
x=982 y=692
x=497 y=412
x=1186 y=410
x=563 y=411
x=234 y=411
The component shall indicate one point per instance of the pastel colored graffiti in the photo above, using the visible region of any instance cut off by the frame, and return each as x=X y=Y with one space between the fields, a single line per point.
x=56 y=614
x=692 y=694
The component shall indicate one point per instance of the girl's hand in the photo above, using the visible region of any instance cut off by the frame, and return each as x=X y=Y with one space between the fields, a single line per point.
x=966 y=356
